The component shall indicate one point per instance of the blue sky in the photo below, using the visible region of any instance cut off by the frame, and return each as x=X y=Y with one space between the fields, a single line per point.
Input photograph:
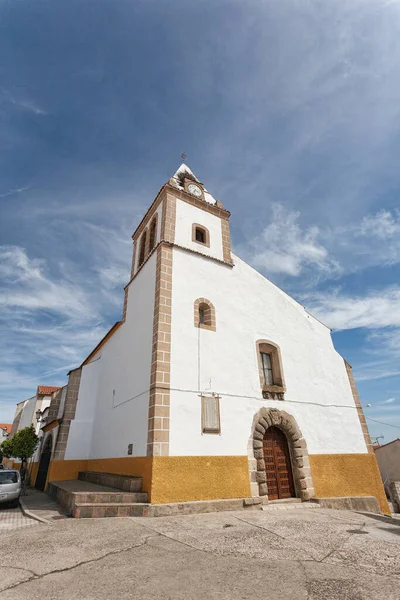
x=289 y=112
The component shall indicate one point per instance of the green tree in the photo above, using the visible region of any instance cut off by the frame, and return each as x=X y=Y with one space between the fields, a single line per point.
x=22 y=445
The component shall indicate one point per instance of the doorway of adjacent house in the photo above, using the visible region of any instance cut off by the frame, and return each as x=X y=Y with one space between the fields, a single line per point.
x=278 y=467
x=44 y=463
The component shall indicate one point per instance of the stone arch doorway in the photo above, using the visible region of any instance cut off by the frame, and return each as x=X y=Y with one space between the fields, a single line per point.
x=44 y=464
x=297 y=459
x=278 y=465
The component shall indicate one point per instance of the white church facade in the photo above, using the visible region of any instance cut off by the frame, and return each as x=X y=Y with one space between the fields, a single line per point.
x=215 y=383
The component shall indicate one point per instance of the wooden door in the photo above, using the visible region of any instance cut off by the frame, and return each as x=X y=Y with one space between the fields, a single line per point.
x=44 y=464
x=277 y=465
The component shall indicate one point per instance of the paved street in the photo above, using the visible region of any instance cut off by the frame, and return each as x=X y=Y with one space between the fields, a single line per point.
x=12 y=519
x=306 y=555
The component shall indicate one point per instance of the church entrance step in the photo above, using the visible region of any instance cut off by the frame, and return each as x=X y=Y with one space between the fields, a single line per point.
x=122 y=482
x=285 y=501
x=270 y=507
x=74 y=492
x=93 y=510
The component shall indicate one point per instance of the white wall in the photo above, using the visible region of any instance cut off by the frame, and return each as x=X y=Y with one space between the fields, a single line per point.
x=248 y=308
x=186 y=215
x=27 y=413
x=113 y=401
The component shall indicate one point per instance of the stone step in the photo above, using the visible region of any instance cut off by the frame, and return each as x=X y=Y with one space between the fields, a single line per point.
x=98 y=497
x=122 y=482
x=96 y=510
x=71 y=493
x=285 y=501
x=290 y=506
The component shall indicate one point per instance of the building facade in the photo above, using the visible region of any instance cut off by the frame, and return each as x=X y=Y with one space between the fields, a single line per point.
x=5 y=430
x=388 y=457
x=26 y=414
x=215 y=383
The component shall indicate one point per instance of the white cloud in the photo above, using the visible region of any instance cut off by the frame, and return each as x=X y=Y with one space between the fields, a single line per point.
x=382 y=225
x=389 y=401
x=25 y=104
x=283 y=247
x=16 y=191
x=377 y=309
x=26 y=286
x=317 y=252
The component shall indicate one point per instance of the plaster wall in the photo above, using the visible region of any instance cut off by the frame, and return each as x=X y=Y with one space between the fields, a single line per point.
x=113 y=401
x=388 y=458
x=186 y=215
x=248 y=308
x=27 y=414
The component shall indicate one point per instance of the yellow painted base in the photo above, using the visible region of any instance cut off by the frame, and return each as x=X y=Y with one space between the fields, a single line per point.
x=137 y=466
x=347 y=475
x=33 y=469
x=188 y=478
x=61 y=470
x=141 y=466
x=170 y=478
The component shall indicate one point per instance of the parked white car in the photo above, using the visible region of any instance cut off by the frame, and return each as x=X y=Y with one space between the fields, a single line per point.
x=10 y=486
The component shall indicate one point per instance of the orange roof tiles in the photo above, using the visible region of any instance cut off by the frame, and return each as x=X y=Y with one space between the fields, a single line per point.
x=6 y=426
x=47 y=390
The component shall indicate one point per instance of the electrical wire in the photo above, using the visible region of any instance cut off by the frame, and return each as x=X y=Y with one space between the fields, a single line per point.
x=382 y=423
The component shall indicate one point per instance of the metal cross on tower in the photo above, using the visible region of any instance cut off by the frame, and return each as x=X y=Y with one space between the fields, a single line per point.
x=183 y=156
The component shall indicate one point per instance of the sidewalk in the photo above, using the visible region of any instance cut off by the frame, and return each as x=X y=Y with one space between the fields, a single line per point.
x=41 y=507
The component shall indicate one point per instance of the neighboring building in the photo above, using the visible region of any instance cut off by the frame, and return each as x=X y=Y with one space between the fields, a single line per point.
x=17 y=417
x=5 y=430
x=27 y=410
x=388 y=457
x=215 y=383
x=25 y=414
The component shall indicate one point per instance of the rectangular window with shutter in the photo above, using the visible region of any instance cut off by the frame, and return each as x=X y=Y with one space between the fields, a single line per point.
x=210 y=415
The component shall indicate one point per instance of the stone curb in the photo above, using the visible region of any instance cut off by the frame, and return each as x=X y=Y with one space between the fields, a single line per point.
x=30 y=514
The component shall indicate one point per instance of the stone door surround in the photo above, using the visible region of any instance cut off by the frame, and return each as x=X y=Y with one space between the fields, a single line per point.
x=272 y=417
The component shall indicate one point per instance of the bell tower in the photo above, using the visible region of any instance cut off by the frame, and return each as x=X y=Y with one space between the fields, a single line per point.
x=184 y=217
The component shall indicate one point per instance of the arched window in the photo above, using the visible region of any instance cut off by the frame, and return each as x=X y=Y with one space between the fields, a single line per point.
x=142 y=253
x=270 y=368
x=153 y=233
x=204 y=314
x=200 y=235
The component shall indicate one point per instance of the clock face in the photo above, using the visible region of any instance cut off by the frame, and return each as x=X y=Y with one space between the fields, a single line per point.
x=194 y=189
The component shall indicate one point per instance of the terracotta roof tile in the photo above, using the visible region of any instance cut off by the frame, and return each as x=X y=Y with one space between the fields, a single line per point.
x=47 y=390
x=6 y=426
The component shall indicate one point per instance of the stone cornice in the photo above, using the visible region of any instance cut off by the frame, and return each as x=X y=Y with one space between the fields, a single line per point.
x=173 y=245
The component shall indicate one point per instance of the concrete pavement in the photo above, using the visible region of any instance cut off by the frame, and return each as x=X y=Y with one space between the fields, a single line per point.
x=38 y=505
x=12 y=519
x=311 y=555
